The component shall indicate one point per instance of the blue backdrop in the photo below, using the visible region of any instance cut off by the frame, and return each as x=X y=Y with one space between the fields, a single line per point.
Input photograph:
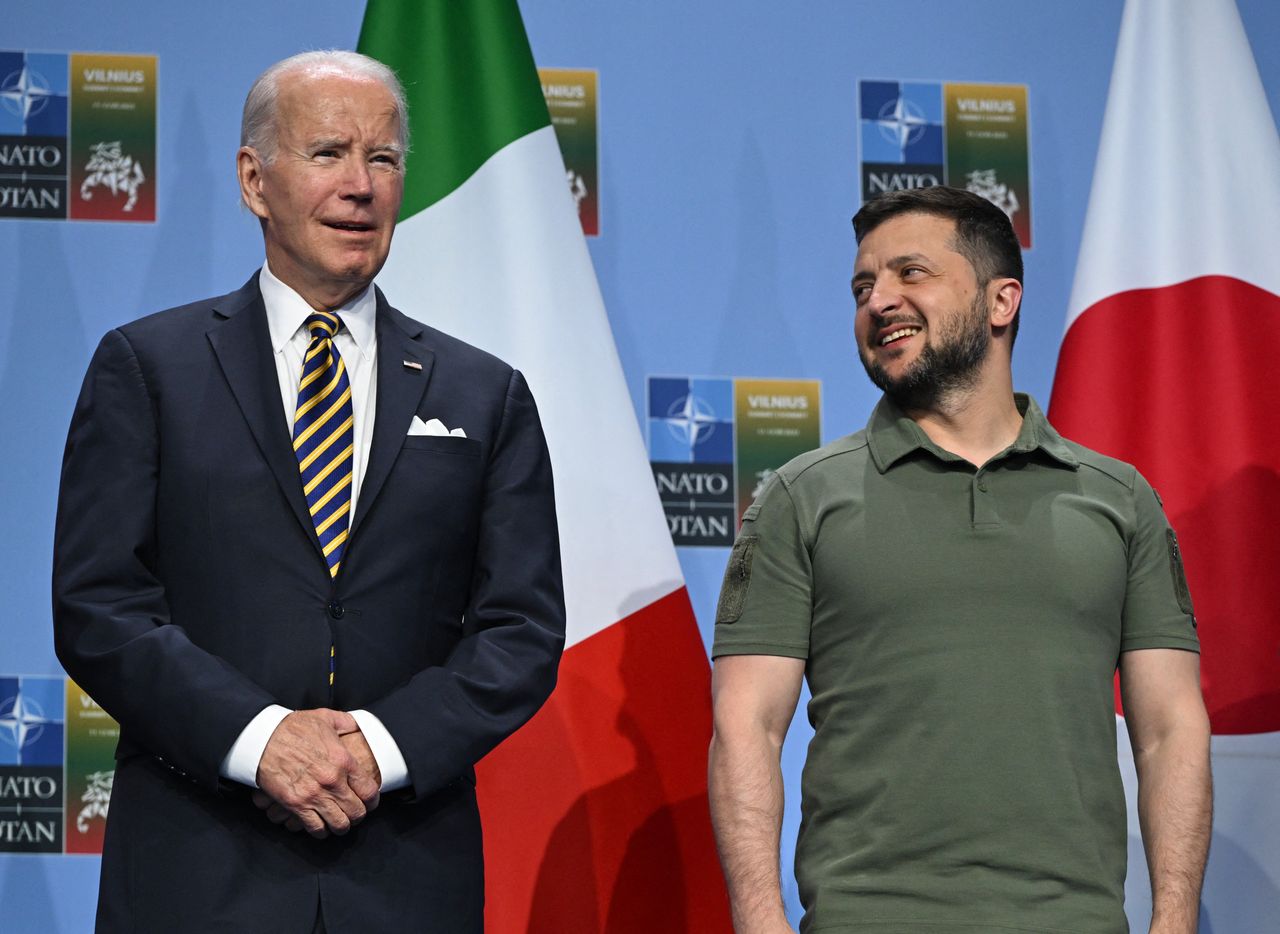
x=728 y=158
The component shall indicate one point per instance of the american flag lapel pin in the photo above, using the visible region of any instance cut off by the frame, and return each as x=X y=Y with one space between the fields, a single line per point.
x=412 y=365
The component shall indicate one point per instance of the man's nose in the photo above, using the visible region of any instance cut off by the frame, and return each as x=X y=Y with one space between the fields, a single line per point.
x=357 y=180
x=882 y=299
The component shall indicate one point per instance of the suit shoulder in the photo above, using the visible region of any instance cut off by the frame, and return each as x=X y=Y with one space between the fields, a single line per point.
x=451 y=351
x=468 y=355
x=180 y=320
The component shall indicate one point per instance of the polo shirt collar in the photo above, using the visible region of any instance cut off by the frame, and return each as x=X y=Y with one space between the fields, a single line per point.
x=1036 y=432
x=287 y=311
x=892 y=435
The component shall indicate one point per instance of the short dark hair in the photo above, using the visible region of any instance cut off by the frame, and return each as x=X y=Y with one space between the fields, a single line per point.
x=984 y=235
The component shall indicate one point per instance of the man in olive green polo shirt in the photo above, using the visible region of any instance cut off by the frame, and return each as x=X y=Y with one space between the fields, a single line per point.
x=959 y=584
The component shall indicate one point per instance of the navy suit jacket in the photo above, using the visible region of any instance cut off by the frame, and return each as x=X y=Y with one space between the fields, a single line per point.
x=190 y=592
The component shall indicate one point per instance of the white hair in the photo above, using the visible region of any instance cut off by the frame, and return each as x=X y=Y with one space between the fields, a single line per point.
x=258 y=124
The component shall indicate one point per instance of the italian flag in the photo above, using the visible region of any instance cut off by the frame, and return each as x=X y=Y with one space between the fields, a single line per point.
x=595 y=813
x=1172 y=333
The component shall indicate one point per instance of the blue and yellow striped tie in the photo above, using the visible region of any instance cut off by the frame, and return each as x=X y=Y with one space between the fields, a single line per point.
x=323 y=437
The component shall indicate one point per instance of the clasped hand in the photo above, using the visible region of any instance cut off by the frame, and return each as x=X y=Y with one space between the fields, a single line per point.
x=317 y=773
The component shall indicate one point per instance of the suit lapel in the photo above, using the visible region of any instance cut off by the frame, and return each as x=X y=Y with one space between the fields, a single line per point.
x=400 y=390
x=242 y=344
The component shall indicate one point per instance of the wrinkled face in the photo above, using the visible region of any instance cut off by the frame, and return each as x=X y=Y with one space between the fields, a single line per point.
x=921 y=322
x=330 y=197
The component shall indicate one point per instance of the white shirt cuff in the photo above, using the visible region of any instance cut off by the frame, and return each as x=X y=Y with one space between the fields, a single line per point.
x=240 y=764
x=386 y=752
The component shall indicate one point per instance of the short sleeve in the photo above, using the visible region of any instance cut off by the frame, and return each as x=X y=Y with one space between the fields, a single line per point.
x=1158 y=613
x=766 y=600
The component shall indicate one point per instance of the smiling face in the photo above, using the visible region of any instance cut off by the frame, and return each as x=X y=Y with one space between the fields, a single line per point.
x=922 y=323
x=329 y=198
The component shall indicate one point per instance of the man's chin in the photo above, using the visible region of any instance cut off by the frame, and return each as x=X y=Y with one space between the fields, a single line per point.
x=880 y=376
x=354 y=275
x=907 y=391
x=910 y=396
x=364 y=268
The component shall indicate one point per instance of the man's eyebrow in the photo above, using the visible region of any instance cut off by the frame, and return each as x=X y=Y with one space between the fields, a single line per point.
x=343 y=142
x=896 y=263
x=328 y=142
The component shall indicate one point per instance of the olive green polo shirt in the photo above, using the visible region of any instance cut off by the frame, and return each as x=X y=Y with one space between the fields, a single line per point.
x=961 y=628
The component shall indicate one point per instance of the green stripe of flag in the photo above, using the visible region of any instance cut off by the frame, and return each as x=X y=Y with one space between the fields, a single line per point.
x=470 y=80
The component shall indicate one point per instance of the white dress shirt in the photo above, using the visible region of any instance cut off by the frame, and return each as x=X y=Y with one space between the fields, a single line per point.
x=357 y=344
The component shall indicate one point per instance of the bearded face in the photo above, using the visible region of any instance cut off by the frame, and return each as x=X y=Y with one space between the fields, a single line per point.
x=949 y=360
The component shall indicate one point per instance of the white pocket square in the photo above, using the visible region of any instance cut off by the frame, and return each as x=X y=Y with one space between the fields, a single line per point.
x=433 y=426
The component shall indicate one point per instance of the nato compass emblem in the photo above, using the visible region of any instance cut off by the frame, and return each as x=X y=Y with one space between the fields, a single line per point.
x=33 y=94
x=25 y=93
x=691 y=421
x=901 y=122
x=31 y=721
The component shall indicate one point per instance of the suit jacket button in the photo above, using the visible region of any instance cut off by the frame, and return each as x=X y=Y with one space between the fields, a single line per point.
x=336 y=610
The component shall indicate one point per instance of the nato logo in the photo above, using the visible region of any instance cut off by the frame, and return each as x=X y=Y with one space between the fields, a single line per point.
x=691 y=452
x=32 y=725
x=691 y=420
x=34 y=112
x=901 y=122
x=32 y=720
x=33 y=94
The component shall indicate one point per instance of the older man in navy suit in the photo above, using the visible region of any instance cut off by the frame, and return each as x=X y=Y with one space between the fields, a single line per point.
x=307 y=556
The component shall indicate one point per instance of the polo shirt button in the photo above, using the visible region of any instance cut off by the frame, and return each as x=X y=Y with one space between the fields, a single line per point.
x=336 y=610
x=982 y=487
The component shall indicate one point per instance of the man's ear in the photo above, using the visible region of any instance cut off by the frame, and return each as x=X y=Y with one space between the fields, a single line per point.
x=1004 y=297
x=249 y=168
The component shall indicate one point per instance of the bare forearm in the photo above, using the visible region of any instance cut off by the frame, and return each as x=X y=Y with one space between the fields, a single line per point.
x=1175 y=808
x=745 y=783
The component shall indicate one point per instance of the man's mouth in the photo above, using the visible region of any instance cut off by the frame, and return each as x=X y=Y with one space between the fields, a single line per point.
x=898 y=334
x=349 y=225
